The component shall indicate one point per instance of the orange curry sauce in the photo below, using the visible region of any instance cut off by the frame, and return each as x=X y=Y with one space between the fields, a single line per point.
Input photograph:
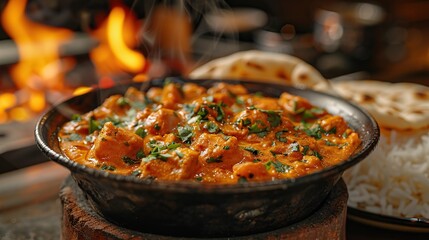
x=218 y=135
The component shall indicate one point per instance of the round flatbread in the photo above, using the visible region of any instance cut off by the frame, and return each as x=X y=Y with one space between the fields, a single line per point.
x=264 y=66
x=399 y=106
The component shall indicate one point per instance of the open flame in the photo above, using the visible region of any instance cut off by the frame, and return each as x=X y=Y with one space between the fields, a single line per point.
x=117 y=35
x=39 y=68
x=42 y=70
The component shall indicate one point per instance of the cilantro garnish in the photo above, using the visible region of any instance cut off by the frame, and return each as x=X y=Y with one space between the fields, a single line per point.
x=129 y=161
x=76 y=117
x=214 y=159
x=273 y=117
x=140 y=154
x=256 y=129
x=141 y=132
x=202 y=112
x=294 y=147
x=242 y=180
x=122 y=102
x=211 y=127
x=106 y=167
x=179 y=154
x=280 y=137
x=74 y=137
x=219 y=110
x=185 y=133
x=278 y=166
x=94 y=125
x=318 y=155
x=136 y=173
x=252 y=150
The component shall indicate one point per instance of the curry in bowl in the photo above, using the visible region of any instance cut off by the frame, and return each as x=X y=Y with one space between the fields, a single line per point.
x=220 y=134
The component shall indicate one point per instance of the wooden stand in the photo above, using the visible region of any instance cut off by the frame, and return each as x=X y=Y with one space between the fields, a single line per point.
x=79 y=221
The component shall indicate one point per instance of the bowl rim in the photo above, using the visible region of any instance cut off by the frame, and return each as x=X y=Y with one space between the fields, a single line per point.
x=219 y=188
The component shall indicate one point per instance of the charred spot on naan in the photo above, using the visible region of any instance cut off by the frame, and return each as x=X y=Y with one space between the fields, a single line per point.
x=282 y=75
x=422 y=95
x=255 y=66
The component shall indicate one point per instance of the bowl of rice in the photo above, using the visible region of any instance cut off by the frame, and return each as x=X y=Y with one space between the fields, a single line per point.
x=390 y=189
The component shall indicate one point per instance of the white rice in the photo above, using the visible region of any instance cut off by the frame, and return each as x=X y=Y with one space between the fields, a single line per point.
x=394 y=179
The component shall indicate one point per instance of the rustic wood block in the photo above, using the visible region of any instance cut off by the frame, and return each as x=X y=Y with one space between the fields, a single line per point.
x=79 y=221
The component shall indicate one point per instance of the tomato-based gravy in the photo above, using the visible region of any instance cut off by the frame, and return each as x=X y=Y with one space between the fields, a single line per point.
x=222 y=134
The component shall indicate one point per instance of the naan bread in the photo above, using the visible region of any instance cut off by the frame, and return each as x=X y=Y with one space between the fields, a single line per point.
x=264 y=66
x=399 y=106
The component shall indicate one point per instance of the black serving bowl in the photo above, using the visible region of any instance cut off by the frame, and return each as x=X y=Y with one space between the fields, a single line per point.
x=187 y=208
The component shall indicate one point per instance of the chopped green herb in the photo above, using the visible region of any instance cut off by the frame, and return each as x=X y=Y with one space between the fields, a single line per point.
x=203 y=113
x=252 y=150
x=318 y=155
x=141 y=132
x=273 y=153
x=149 y=158
x=278 y=166
x=246 y=122
x=194 y=119
x=258 y=94
x=74 y=137
x=168 y=81
x=211 y=127
x=219 y=110
x=280 y=137
x=173 y=145
x=332 y=131
x=254 y=128
x=305 y=149
x=209 y=98
x=256 y=160
x=76 y=117
x=189 y=108
x=239 y=101
x=242 y=180
x=294 y=106
x=199 y=179
x=158 y=151
x=140 y=154
x=179 y=154
x=214 y=159
x=226 y=147
x=345 y=135
x=157 y=127
x=164 y=156
x=185 y=133
x=136 y=173
x=122 y=102
x=129 y=161
x=307 y=115
x=94 y=125
x=106 y=167
x=226 y=138
x=90 y=138
x=329 y=143
x=273 y=117
x=294 y=147
x=315 y=131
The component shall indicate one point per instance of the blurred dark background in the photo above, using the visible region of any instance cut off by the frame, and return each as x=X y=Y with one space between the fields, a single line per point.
x=390 y=43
